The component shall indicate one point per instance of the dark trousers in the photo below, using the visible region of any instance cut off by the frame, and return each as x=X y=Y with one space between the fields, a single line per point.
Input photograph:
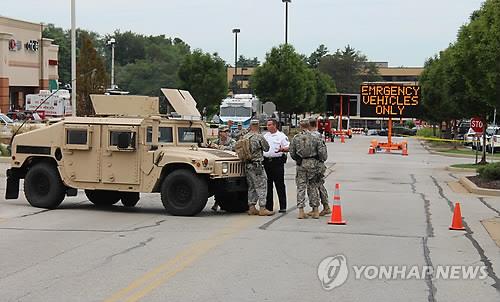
x=275 y=170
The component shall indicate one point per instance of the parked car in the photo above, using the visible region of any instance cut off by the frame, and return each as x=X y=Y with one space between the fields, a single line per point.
x=403 y=131
x=372 y=132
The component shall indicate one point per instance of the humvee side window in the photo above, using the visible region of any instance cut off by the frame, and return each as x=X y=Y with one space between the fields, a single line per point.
x=76 y=137
x=166 y=135
x=190 y=135
x=113 y=138
x=149 y=134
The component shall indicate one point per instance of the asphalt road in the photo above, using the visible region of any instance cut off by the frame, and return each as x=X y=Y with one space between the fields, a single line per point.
x=398 y=210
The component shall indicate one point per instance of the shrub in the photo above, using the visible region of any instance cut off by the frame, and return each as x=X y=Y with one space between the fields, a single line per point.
x=489 y=171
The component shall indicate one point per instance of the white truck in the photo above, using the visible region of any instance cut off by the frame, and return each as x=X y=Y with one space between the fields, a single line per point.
x=57 y=105
x=240 y=108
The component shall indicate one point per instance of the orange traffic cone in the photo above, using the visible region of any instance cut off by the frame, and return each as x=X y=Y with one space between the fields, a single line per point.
x=405 y=151
x=456 y=223
x=342 y=139
x=337 y=208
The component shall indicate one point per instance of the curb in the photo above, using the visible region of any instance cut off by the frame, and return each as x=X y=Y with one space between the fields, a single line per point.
x=453 y=169
x=471 y=187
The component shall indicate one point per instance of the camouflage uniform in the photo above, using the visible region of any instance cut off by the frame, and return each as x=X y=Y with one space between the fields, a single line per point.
x=323 y=193
x=229 y=144
x=310 y=154
x=254 y=170
x=238 y=134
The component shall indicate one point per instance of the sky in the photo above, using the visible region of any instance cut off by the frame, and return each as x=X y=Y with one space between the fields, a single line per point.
x=403 y=33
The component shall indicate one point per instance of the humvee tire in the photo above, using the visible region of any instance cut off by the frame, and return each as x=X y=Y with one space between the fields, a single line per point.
x=43 y=186
x=233 y=202
x=102 y=198
x=184 y=193
x=130 y=199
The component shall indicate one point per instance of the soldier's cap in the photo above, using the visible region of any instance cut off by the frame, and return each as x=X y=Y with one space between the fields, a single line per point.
x=254 y=122
x=312 y=119
x=304 y=122
x=223 y=128
x=240 y=124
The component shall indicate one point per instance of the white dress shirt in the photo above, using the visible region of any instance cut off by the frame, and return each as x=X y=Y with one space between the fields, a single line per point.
x=276 y=141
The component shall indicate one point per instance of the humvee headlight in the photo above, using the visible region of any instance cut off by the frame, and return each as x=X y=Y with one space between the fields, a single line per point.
x=225 y=168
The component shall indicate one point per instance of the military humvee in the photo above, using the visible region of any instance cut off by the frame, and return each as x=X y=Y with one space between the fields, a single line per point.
x=128 y=148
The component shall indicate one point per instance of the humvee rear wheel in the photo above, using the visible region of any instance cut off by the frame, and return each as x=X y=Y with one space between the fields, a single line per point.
x=103 y=197
x=234 y=202
x=130 y=199
x=184 y=193
x=43 y=186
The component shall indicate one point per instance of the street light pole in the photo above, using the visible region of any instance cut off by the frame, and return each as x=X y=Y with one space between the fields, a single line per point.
x=236 y=31
x=286 y=19
x=73 y=57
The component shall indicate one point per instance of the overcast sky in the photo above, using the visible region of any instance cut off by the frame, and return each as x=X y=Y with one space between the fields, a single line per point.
x=398 y=31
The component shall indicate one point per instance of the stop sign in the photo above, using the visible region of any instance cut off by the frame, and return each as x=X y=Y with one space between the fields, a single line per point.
x=477 y=125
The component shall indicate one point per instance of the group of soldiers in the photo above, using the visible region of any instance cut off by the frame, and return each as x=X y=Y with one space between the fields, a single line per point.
x=307 y=149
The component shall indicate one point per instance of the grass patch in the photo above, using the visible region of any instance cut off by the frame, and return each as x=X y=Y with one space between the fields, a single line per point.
x=469 y=152
x=428 y=132
x=466 y=166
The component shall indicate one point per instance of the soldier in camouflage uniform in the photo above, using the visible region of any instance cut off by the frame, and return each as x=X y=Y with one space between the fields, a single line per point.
x=224 y=141
x=255 y=173
x=239 y=132
x=323 y=193
x=309 y=154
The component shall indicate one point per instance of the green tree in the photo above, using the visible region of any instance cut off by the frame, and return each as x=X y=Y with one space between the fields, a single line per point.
x=324 y=85
x=247 y=62
x=349 y=68
x=316 y=57
x=285 y=79
x=92 y=77
x=204 y=75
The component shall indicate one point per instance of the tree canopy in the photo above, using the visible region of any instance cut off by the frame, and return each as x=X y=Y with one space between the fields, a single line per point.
x=348 y=68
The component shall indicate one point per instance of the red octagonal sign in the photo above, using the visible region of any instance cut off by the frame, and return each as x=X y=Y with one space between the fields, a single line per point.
x=477 y=125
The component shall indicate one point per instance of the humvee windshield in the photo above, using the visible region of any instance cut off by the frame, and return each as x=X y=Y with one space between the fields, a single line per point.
x=190 y=135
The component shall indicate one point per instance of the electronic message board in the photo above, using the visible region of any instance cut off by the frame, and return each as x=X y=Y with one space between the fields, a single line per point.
x=397 y=100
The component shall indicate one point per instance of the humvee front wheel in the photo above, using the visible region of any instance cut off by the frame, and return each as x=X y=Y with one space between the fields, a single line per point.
x=130 y=199
x=43 y=186
x=184 y=193
x=103 y=198
x=233 y=202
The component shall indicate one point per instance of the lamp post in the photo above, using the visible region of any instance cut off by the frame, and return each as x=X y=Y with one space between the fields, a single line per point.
x=73 y=57
x=112 y=43
x=236 y=31
x=286 y=19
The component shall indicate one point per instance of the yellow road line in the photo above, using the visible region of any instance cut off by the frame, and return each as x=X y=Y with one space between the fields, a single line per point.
x=145 y=284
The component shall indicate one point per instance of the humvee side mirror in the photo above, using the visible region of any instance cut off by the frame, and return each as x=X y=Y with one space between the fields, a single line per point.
x=124 y=140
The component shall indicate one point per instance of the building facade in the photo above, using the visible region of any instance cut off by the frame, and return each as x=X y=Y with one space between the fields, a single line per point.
x=28 y=62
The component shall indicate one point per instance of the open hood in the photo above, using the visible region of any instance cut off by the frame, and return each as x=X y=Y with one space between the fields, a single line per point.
x=182 y=101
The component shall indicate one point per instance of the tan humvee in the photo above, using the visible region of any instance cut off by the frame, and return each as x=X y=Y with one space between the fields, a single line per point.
x=126 y=149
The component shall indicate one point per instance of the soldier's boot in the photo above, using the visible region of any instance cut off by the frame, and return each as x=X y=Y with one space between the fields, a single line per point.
x=252 y=211
x=265 y=212
x=315 y=214
x=302 y=215
x=326 y=211
x=310 y=213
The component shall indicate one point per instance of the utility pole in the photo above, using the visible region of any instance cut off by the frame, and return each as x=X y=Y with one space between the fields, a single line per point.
x=286 y=19
x=236 y=31
x=112 y=43
x=73 y=57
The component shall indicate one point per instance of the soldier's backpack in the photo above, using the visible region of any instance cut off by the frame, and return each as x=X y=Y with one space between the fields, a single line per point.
x=243 y=148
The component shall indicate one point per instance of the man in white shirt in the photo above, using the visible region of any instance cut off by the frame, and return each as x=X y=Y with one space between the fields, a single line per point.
x=274 y=164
